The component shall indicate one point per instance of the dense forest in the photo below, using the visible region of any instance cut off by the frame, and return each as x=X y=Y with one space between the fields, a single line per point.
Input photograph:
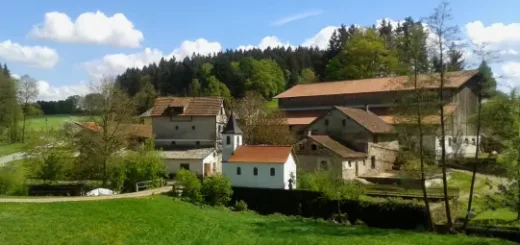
x=353 y=53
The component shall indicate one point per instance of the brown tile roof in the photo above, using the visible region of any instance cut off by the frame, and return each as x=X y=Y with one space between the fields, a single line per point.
x=337 y=147
x=373 y=85
x=193 y=106
x=427 y=119
x=367 y=119
x=261 y=154
x=135 y=130
x=302 y=117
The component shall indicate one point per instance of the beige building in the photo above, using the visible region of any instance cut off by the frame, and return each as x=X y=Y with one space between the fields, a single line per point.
x=188 y=129
x=354 y=142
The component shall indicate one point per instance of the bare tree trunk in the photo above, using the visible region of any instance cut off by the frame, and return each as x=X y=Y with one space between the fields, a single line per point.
x=23 y=127
x=421 y=155
x=466 y=219
x=443 y=143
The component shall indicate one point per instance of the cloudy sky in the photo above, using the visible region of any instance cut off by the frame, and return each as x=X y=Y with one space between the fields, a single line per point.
x=67 y=44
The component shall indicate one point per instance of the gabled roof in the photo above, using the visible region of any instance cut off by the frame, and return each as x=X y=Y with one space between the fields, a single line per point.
x=337 y=147
x=367 y=119
x=147 y=113
x=302 y=117
x=375 y=85
x=232 y=126
x=261 y=154
x=192 y=106
x=184 y=154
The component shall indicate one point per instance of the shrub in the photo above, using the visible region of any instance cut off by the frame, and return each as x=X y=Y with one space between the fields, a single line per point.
x=143 y=166
x=240 y=206
x=191 y=184
x=12 y=180
x=217 y=190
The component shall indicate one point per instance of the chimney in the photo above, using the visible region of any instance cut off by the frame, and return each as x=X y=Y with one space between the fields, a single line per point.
x=366 y=107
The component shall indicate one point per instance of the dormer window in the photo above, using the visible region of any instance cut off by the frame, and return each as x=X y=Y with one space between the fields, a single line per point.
x=326 y=122
x=175 y=110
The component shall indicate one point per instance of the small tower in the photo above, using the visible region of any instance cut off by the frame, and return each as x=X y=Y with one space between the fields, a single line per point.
x=231 y=138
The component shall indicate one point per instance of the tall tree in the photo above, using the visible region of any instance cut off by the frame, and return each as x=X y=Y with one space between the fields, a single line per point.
x=486 y=88
x=444 y=33
x=455 y=58
x=27 y=93
x=10 y=110
x=265 y=77
x=104 y=137
x=366 y=55
x=6 y=71
x=404 y=34
x=306 y=76
x=146 y=96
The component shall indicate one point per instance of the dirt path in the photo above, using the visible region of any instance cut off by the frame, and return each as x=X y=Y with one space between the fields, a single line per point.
x=83 y=198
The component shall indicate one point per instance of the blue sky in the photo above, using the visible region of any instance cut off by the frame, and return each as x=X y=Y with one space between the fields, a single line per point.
x=48 y=41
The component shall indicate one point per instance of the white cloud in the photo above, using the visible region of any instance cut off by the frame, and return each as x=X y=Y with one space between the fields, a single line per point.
x=115 y=64
x=297 y=17
x=509 y=75
x=321 y=39
x=48 y=92
x=497 y=33
x=89 y=28
x=268 y=41
x=394 y=23
x=37 y=56
x=200 y=46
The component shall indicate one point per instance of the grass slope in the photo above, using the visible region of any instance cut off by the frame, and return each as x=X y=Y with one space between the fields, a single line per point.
x=51 y=121
x=161 y=220
x=7 y=149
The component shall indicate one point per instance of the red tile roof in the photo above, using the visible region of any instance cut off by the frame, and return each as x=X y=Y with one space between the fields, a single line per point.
x=367 y=119
x=427 y=119
x=193 y=106
x=337 y=147
x=302 y=117
x=261 y=154
x=374 y=85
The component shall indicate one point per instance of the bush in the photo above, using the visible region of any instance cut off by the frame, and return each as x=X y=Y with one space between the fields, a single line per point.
x=240 y=206
x=12 y=180
x=217 y=190
x=143 y=166
x=191 y=184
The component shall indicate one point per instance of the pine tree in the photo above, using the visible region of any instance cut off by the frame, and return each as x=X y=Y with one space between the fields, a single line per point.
x=6 y=71
x=455 y=59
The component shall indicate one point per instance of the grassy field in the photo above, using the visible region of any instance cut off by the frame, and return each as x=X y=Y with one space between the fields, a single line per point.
x=51 y=121
x=35 y=124
x=273 y=104
x=162 y=220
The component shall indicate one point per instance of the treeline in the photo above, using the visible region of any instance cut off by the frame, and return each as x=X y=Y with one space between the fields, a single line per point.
x=71 y=105
x=353 y=53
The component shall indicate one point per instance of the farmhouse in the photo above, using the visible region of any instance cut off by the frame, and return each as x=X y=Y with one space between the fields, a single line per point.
x=352 y=142
x=188 y=129
x=258 y=166
x=302 y=104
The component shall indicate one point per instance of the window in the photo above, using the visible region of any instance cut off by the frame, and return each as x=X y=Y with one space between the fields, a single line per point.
x=177 y=127
x=228 y=140
x=197 y=143
x=239 y=171
x=344 y=122
x=192 y=127
x=376 y=139
x=324 y=165
x=466 y=141
x=326 y=122
x=364 y=163
x=302 y=146
x=454 y=140
x=255 y=171
x=314 y=147
x=173 y=142
x=473 y=141
x=450 y=141
x=272 y=171
x=185 y=166
x=373 y=162
x=349 y=164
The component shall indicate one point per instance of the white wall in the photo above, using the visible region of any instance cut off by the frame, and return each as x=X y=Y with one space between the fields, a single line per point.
x=289 y=168
x=196 y=165
x=264 y=178
x=228 y=149
x=460 y=146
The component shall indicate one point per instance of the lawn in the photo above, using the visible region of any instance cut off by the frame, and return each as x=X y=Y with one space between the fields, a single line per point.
x=162 y=220
x=7 y=149
x=51 y=121
x=35 y=124
x=272 y=105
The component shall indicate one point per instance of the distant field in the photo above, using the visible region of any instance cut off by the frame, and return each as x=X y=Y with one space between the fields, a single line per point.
x=273 y=104
x=161 y=220
x=51 y=121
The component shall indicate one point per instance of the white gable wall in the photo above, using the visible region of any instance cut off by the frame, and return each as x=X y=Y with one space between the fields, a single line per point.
x=196 y=165
x=289 y=168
